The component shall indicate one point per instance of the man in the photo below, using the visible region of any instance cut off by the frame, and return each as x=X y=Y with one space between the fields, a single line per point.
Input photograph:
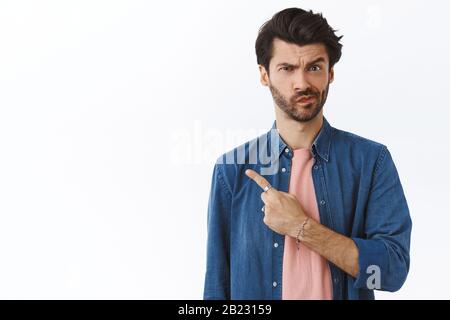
x=326 y=217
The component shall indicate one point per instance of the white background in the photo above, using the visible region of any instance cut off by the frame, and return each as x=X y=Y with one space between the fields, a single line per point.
x=113 y=112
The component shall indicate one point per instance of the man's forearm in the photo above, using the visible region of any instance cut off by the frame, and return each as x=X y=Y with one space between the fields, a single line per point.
x=338 y=249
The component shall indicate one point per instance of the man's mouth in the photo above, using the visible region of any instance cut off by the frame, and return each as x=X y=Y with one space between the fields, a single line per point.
x=307 y=99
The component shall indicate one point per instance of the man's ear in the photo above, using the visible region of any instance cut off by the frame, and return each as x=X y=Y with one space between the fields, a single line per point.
x=264 y=75
x=331 y=74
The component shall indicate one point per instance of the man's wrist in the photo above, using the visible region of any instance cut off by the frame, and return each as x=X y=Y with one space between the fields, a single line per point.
x=301 y=232
x=297 y=226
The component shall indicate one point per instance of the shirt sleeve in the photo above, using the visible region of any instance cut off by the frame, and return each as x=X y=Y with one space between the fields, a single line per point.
x=384 y=250
x=217 y=278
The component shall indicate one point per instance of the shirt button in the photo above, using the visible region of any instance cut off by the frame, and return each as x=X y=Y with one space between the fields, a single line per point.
x=275 y=244
x=283 y=169
x=322 y=202
x=286 y=150
x=336 y=280
x=274 y=284
x=315 y=167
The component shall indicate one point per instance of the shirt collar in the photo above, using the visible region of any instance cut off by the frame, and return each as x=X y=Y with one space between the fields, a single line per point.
x=320 y=146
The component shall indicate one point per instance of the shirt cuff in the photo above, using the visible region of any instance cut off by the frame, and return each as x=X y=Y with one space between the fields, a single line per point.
x=372 y=258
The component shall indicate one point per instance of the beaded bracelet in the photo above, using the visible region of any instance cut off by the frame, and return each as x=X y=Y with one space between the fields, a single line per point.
x=301 y=232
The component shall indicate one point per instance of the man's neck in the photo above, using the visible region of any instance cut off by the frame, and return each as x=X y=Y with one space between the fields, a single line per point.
x=298 y=134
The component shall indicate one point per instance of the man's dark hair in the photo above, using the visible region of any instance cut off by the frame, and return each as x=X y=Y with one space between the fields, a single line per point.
x=295 y=25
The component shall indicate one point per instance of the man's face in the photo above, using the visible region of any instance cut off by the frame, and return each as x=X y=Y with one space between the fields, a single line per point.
x=299 y=78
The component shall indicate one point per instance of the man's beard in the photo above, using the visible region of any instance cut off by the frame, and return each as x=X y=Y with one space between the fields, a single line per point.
x=300 y=113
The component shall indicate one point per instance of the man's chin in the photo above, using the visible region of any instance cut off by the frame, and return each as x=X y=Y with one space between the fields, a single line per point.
x=304 y=115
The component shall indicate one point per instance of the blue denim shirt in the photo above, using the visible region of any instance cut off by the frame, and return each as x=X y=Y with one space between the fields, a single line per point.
x=359 y=195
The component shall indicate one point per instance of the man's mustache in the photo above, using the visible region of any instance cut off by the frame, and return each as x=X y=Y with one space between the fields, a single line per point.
x=305 y=94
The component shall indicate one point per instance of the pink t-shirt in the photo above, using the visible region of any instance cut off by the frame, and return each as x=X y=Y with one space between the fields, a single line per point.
x=306 y=274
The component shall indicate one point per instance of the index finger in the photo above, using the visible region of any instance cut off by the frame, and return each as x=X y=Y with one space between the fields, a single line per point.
x=260 y=180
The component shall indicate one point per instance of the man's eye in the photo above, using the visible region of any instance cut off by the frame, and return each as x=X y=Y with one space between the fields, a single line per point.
x=286 y=68
x=317 y=68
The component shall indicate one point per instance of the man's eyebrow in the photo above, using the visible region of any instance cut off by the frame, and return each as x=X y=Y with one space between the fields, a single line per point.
x=286 y=64
x=320 y=59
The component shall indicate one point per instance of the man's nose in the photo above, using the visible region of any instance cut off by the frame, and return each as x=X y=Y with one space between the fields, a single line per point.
x=300 y=82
